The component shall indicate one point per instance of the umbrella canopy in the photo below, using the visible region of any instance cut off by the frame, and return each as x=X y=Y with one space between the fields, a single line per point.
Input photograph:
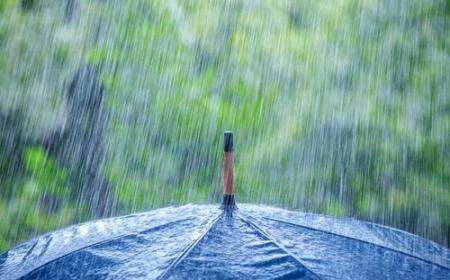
x=206 y=242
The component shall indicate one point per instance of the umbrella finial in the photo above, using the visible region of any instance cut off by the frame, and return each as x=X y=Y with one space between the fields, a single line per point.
x=228 y=176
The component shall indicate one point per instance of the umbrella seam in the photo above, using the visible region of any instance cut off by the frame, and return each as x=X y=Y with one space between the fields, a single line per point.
x=99 y=243
x=359 y=240
x=188 y=249
x=273 y=240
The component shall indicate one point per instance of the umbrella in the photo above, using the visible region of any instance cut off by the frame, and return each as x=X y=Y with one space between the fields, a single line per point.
x=227 y=242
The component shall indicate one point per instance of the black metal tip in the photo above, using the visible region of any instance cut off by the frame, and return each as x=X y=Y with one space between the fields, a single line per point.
x=228 y=202
x=228 y=143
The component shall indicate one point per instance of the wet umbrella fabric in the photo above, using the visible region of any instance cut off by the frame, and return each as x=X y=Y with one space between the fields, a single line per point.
x=205 y=242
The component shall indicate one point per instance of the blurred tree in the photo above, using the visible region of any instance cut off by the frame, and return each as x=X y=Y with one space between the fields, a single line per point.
x=79 y=145
x=71 y=6
x=12 y=144
x=27 y=4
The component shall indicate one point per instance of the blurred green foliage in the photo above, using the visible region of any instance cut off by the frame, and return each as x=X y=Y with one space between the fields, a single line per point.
x=338 y=107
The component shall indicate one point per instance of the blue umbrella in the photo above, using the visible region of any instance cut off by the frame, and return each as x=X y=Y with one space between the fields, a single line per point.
x=211 y=242
x=205 y=242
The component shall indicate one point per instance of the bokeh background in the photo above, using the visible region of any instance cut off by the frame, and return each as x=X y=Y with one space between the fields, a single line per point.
x=111 y=107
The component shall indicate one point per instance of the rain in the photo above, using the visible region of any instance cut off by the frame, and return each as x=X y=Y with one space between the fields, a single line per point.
x=113 y=107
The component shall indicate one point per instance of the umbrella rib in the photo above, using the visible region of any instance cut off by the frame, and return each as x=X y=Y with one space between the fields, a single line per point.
x=273 y=240
x=189 y=248
x=101 y=242
x=359 y=240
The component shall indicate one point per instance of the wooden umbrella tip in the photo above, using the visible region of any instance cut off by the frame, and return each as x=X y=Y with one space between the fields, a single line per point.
x=228 y=200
